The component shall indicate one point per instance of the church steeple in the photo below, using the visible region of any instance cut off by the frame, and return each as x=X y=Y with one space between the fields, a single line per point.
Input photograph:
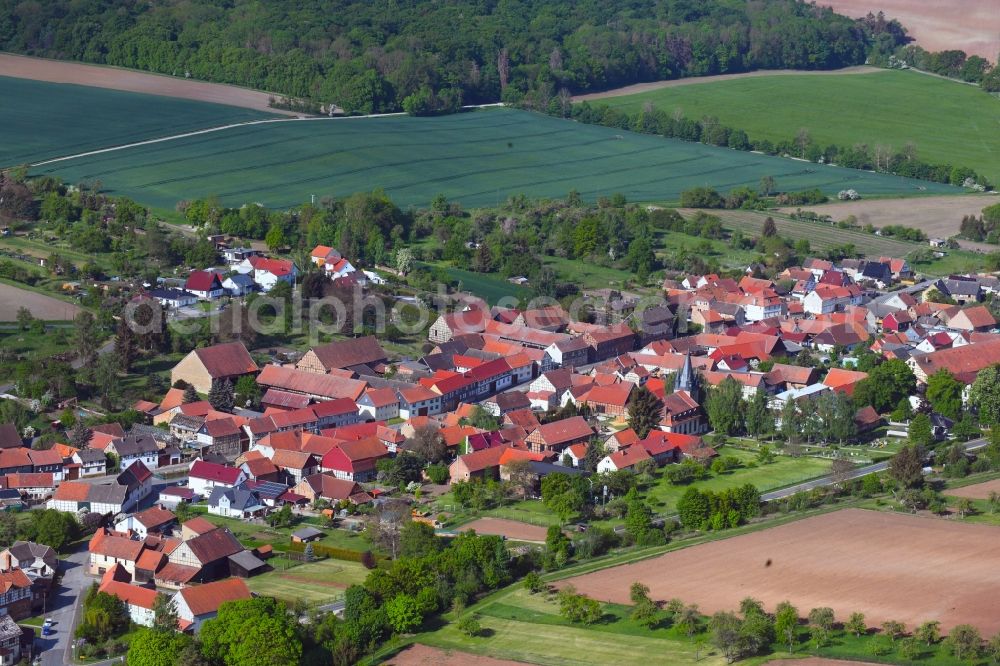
x=685 y=378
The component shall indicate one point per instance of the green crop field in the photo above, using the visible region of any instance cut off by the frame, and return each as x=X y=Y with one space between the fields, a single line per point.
x=40 y=120
x=478 y=159
x=947 y=121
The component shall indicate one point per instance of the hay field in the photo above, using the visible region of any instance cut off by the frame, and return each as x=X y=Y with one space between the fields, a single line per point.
x=40 y=120
x=478 y=158
x=947 y=121
x=889 y=566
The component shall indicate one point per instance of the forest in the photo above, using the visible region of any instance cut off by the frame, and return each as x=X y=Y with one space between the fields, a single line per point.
x=373 y=55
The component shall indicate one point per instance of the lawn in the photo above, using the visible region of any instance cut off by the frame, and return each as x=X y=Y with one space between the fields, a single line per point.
x=252 y=535
x=45 y=120
x=490 y=288
x=947 y=121
x=319 y=582
x=784 y=471
x=478 y=159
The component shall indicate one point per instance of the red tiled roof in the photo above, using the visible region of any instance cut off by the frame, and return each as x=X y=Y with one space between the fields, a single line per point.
x=203 y=281
x=480 y=460
x=199 y=525
x=113 y=546
x=226 y=360
x=311 y=383
x=566 y=430
x=205 y=599
x=214 y=472
x=132 y=595
x=278 y=267
x=630 y=456
x=345 y=353
x=72 y=491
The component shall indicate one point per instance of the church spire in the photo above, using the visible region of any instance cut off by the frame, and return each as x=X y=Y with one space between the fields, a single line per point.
x=685 y=378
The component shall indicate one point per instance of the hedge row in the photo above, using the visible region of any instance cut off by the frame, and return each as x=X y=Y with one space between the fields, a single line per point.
x=364 y=557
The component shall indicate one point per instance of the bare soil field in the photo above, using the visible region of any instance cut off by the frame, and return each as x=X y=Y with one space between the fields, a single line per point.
x=691 y=80
x=511 y=529
x=937 y=216
x=422 y=655
x=977 y=491
x=888 y=566
x=60 y=71
x=41 y=306
x=972 y=26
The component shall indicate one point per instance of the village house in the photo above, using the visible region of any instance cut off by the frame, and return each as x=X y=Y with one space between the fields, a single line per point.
x=447 y=326
x=355 y=461
x=151 y=521
x=623 y=459
x=133 y=449
x=205 y=285
x=331 y=489
x=200 y=603
x=378 y=404
x=267 y=273
x=611 y=400
x=229 y=360
x=221 y=437
x=15 y=594
x=555 y=436
x=235 y=503
x=108 y=549
x=203 y=477
x=345 y=354
x=32 y=486
x=173 y=298
x=138 y=600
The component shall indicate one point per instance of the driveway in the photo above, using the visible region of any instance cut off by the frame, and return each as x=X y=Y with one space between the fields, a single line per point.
x=63 y=606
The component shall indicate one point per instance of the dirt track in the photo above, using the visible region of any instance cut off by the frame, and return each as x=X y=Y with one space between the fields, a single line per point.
x=511 y=529
x=421 y=655
x=41 y=306
x=976 y=491
x=673 y=83
x=936 y=216
x=970 y=25
x=60 y=71
x=888 y=566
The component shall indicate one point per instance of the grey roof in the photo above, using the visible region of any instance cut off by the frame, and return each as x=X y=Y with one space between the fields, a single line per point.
x=171 y=294
x=26 y=550
x=241 y=280
x=135 y=445
x=239 y=498
x=247 y=560
x=8 y=628
x=109 y=493
x=91 y=455
x=269 y=489
x=159 y=434
x=307 y=533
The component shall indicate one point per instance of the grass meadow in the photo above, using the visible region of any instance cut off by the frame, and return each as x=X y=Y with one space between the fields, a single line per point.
x=40 y=120
x=478 y=158
x=318 y=582
x=946 y=120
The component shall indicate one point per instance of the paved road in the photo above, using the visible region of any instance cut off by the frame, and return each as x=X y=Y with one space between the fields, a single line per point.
x=971 y=445
x=55 y=650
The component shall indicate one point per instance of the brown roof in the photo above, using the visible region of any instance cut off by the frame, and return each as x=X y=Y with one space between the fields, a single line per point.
x=292 y=459
x=629 y=456
x=118 y=547
x=33 y=480
x=614 y=394
x=214 y=545
x=958 y=360
x=226 y=360
x=205 y=599
x=978 y=316
x=345 y=353
x=566 y=430
x=330 y=487
x=259 y=467
x=199 y=525
x=10 y=438
x=362 y=449
x=150 y=560
x=154 y=517
x=311 y=383
x=72 y=491
x=480 y=460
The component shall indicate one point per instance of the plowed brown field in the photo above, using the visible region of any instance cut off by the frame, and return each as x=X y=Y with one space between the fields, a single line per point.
x=889 y=566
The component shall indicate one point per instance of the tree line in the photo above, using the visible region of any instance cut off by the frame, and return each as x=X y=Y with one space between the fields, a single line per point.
x=708 y=130
x=388 y=55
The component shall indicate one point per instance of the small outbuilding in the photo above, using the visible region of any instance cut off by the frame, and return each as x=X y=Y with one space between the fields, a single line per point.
x=307 y=534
